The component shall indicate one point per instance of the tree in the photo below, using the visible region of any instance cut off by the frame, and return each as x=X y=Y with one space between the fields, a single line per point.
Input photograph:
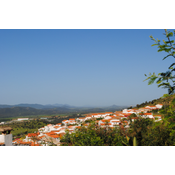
x=93 y=135
x=138 y=128
x=165 y=79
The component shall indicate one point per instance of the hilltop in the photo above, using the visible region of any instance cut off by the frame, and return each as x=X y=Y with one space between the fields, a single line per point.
x=165 y=101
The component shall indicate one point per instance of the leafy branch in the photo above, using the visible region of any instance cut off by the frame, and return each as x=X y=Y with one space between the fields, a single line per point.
x=164 y=78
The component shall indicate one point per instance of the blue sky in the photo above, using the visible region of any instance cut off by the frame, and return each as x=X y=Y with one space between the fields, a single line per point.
x=79 y=67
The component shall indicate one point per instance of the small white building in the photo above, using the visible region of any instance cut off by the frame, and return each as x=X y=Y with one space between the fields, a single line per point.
x=88 y=117
x=49 y=128
x=81 y=119
x=21 y=119
x=129 y=111
x=115 y=122
x=157 y=118
x=108 y=117
x=95 y=115
x=147 y=115
x=65 y=122
x=153 y=107
x=159 y=106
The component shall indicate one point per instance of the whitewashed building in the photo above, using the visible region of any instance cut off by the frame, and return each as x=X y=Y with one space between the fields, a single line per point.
x=21 y=119
x=159 y=106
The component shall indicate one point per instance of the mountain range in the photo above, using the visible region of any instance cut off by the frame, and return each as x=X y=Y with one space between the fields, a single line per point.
x=37 y=106
x=8 y=111
x=49 y=106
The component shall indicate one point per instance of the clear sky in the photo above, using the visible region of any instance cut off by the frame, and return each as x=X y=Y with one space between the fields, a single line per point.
x=79 y=67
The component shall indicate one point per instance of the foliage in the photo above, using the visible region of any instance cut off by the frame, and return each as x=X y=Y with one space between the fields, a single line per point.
x=22 y=128
x=93 y=135
x=142 y=132
x=165 y=79
x=130 y=141
x=138 y=128
x=100 y=118
x=169 y=112
x=158 y=135
x=150 y=133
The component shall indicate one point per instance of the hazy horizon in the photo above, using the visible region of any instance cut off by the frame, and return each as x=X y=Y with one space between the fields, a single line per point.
x=79 y=67
x=65 y=104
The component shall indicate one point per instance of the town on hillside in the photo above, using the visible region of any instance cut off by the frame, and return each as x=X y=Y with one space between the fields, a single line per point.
x=51 y=134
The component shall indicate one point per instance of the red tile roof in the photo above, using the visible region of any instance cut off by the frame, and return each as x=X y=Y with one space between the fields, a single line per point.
x=147 y=113
x=56 y=126
x=32 y=134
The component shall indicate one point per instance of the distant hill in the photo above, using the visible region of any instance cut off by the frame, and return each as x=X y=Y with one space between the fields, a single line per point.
x=10 y=111
x=24 y=111
x=37 y=106
x=6 y=106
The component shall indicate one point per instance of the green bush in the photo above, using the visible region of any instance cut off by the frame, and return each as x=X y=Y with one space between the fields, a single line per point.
x=142 y=132
x=93 y=135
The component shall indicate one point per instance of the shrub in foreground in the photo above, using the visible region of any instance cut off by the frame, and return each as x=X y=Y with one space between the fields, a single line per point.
x=93 y=135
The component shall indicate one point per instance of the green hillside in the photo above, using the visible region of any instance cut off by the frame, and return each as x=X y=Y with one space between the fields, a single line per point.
x=165 y=101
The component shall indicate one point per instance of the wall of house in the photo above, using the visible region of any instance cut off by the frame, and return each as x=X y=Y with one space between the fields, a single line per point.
x=159 y=106
x=2 y=139
x=8 y=140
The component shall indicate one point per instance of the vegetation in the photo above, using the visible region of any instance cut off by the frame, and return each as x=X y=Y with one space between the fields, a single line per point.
x=165 y=101
x=28 y=111
x=93 y=136
x=165 y=79
x=20 y=129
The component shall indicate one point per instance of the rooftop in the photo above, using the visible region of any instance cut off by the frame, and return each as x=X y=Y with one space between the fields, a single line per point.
x=6 y=128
